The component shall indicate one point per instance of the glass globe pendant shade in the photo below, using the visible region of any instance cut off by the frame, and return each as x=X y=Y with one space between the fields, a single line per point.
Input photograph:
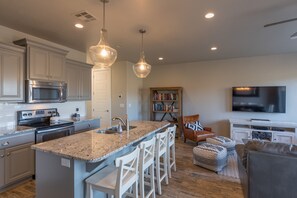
x=142 y=69
x=102 y=55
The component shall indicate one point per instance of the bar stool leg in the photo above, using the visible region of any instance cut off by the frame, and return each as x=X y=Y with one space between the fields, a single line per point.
x=168 y=163
x=141 y=183
x=165 y=168
x=173 y=157
x=152 y=180
x=158 y=176
x=89 y=191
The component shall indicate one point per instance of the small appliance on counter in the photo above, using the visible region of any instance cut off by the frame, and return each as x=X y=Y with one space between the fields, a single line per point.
x=76 y=116
x=55 y=118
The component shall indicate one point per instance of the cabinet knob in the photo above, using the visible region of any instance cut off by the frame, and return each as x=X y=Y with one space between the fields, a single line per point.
x=5 y=144
x=107 y=110
x=1 y=156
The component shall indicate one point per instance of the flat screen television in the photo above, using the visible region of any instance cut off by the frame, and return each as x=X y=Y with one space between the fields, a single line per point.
x=270 y=99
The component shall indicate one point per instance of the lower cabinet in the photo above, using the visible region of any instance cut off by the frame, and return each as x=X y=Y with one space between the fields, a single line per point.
x=19 y=163
x=79 y=80
x=284 y=137
x=238 y=135
x=86 y=125
x=2 y=170
x=16 y=158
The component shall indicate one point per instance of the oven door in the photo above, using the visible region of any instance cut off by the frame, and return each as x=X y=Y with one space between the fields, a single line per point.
x=45 y=92
x=51 y=134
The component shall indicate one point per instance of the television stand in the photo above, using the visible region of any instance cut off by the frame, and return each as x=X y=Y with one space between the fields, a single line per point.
x=259 y=120
x=285 y=132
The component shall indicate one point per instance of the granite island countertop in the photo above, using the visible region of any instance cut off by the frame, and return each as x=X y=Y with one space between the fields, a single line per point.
x=93 y=147
x=14 y=130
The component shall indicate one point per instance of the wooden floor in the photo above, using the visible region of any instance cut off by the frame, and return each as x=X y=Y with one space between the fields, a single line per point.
x=188 y=182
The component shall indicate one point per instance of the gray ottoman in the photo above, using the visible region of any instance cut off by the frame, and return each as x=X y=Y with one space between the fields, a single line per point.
x=223 y=141
x=210 y=156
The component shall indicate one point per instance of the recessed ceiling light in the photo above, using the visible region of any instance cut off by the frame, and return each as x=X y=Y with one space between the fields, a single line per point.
x=161 y=58
x=209 y=15
x=213 y=48
x=79 y=25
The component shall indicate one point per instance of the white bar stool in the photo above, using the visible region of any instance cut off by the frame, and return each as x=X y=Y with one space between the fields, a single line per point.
x=171 y=149
x=161 y=152
x=146 y=164
x=116 y=180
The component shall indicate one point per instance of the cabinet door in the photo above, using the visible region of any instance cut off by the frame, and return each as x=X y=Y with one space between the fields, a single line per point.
x=284 y=137
x=56 y=67
x=11 y=76
x=38 y=63
x=2 y=182
x=86 y=84
x=73 y=82
x=238 y=135
x=19 y=162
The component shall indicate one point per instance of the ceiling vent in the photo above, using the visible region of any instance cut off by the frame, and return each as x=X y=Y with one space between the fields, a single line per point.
x=84 y=16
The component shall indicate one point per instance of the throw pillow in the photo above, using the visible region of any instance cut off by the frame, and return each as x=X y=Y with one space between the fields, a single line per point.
x=196 y=126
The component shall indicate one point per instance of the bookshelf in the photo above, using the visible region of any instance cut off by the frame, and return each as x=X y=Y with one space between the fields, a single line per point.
x=166 y=104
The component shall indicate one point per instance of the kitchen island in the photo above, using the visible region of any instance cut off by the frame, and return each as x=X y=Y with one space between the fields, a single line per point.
x=62 y=165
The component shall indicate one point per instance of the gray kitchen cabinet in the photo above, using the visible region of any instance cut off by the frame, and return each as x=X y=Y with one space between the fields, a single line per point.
x=16 y=158
x=79 y=80
x=11 y=73
x=19 y=162
x=86 y=125
x=2 y=170
x=44 y=62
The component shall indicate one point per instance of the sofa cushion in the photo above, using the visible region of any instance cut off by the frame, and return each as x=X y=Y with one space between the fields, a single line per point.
x=268 y=147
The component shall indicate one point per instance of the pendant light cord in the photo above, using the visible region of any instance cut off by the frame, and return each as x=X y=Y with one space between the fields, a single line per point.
x=103 y=14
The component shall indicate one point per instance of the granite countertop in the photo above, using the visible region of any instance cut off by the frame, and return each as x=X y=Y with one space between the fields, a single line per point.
x=93 y=147
x=14 y=130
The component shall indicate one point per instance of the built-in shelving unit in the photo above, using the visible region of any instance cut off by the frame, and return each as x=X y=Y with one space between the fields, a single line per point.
x=166 y=104
x=273 y=131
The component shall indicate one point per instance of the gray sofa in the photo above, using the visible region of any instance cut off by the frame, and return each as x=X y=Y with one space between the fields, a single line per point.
x=267 y=170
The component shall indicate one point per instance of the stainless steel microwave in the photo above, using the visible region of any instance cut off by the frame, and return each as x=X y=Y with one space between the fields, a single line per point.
x=45 y=92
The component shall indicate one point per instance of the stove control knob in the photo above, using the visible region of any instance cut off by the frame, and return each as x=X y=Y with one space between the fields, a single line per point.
x=29 y=114
x=24 y=114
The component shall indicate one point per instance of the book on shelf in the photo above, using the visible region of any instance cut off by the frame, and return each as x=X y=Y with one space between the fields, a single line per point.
x=165 y=96
x=163 y=107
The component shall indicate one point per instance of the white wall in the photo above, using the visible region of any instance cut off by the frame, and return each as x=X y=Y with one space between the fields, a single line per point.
x=125 y=91
x=134 y=94
x=8 y=111
x=207 y=86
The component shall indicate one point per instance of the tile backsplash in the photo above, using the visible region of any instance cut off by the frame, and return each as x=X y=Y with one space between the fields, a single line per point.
x=8 y=111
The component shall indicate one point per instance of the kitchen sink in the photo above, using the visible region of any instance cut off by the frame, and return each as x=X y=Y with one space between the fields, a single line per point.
x=113 y=130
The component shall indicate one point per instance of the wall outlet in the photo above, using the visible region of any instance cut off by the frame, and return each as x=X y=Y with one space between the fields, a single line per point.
x=77 y=109
x=65 y=162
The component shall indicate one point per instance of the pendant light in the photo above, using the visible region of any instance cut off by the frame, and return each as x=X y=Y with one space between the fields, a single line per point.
x=102 y=55
x=142 y=68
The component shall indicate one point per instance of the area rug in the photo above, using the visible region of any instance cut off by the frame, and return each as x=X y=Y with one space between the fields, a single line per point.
x=231 y=170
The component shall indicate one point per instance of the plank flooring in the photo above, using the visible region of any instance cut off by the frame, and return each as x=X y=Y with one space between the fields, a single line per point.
x=189 y=181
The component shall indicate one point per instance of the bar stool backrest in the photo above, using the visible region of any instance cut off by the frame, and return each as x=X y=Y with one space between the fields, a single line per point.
x=171 y=134
x=147 y=151
x=161 y=143
x=128 y=171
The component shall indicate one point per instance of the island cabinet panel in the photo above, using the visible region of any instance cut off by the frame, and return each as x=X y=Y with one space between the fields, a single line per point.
x=44 y=62
x=19 y=162
x=79 y=80
x=11 y=73
x=2 y=164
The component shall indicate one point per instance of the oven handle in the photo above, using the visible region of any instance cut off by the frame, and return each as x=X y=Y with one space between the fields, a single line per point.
x=54 y=129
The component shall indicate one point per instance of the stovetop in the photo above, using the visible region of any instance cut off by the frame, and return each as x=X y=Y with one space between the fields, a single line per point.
x=40 y=119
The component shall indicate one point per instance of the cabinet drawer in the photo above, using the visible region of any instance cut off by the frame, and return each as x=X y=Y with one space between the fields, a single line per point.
x=17 y=139
x=86 y=125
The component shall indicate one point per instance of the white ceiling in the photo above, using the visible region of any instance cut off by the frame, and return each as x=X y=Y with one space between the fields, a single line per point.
x=176 y=29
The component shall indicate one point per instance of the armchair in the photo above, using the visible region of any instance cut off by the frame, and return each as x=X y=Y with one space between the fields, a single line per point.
x=193 y=135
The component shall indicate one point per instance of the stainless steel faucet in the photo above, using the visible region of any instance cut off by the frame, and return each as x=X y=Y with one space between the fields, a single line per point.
x=120 y=119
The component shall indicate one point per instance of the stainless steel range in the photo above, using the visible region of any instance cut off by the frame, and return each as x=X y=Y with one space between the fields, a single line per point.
x=45 y=129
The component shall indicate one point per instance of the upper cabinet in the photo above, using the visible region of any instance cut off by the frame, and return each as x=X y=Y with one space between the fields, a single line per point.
x=11 y=73
x=44 y=62
x=79 y=80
